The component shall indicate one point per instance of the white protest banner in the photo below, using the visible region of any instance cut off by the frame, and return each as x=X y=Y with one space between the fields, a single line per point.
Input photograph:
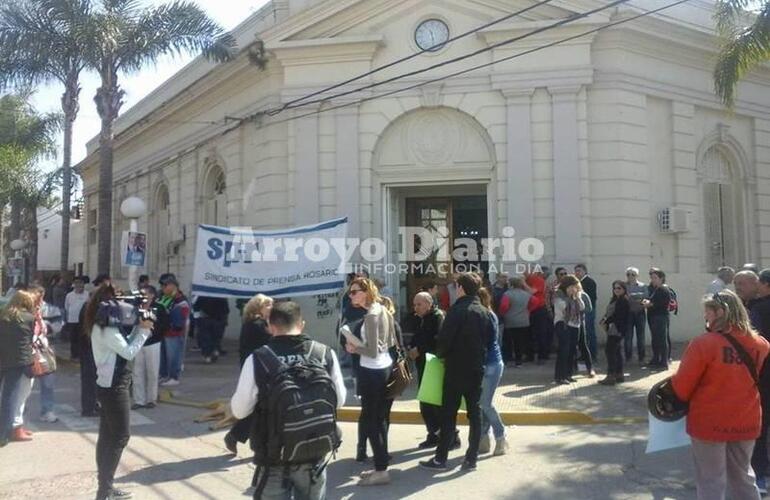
x=233 y=262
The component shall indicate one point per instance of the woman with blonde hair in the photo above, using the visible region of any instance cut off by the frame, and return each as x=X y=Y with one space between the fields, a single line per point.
x=378 y=334
x=16 y=333
x=254 y=334
x=718 y=378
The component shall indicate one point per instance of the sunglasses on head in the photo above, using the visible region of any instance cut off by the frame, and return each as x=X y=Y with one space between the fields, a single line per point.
x=718 y=299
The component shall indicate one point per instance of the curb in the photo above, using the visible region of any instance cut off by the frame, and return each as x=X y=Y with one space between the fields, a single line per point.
x=413 y=417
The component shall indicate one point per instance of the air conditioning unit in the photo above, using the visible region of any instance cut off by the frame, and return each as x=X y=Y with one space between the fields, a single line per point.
x=673 y=220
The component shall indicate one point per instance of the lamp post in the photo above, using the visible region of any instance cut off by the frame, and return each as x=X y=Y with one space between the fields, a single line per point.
x=18 y=246
x=133 y=208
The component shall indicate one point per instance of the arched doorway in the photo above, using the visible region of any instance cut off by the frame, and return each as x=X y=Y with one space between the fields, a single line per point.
x=433 y=168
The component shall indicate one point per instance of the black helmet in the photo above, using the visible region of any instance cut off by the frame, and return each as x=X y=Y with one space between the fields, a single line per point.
x=663 y=402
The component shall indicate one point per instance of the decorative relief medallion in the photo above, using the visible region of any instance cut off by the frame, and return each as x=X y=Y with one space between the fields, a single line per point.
x=433 y=138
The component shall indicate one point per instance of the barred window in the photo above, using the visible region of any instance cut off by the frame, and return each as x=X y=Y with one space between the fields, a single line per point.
x=721 y=210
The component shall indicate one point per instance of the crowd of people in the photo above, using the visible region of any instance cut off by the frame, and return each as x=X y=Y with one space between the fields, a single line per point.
x=130 y=345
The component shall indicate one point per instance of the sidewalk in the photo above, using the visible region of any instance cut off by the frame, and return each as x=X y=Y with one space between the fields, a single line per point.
x=526 y=396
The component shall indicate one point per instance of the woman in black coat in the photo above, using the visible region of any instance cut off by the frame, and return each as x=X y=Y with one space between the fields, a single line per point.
x=615 y=323
x=254 y=334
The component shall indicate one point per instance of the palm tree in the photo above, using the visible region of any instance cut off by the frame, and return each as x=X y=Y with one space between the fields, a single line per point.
x=42 y=41
x=745 y=43
x=127 y=37
x=25 y=138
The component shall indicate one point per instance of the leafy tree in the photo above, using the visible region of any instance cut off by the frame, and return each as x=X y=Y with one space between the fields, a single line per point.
x=44 y=41
x=126 y=37
x=745 y=43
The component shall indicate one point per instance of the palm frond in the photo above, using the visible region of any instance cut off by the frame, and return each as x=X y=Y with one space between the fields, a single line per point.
x=728 y=13
x=175 y=28
x=740 y=54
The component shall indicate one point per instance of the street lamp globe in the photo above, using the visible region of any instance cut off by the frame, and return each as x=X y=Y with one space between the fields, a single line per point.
x=133 y=207
x=17 y=245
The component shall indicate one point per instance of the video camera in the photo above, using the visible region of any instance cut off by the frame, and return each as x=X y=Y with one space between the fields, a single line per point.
x=136 y=299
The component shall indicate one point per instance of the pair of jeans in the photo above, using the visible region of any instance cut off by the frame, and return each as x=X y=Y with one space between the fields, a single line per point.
x=614 y=354
x=145 y=374
x=457 y=386
x=493 y=372
x=24 y=391
x=174 y=351
x=590 y=326
x=12 y=381
x=114 y=432
x=760 y=460
x=522 y=343
x=87 y=378
x=659 y=339
x=567 y=338
x=300 y=482
x=636 y=324
x=542 y=329
x=431 y=414
x=209 y=335
x=47 y=400
x=584 y=351
x=374 y=412
x=72 y=331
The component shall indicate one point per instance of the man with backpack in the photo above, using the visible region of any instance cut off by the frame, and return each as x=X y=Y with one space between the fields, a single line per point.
x=295 y=386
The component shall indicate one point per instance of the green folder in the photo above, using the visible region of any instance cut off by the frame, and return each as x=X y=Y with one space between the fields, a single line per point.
x=432 y=384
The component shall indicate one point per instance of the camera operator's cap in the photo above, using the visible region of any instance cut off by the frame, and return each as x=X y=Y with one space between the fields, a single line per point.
x=168 y=278
x=764 y=276
x=101 y=278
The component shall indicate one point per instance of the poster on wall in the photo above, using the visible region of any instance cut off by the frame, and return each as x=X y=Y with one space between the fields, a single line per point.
x=233 y=262
x=134 y=248
x=15 y=266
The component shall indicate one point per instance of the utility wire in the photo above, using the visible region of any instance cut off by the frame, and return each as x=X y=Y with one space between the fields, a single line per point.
x=292 y=103
x=567 y=20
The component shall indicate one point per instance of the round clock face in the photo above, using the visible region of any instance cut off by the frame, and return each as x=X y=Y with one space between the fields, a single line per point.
x=431 y=35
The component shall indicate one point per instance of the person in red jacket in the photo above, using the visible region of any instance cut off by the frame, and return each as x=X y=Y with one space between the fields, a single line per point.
x=541 y=324
x=724 y=416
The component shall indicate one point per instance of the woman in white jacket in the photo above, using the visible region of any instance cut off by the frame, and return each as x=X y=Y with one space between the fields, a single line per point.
x=113 y=348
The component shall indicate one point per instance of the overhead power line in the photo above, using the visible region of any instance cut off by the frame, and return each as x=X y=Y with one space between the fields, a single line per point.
x=294 y=102
x=554 y=25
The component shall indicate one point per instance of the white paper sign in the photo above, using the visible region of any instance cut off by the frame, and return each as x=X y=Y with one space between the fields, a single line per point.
x=667 y=435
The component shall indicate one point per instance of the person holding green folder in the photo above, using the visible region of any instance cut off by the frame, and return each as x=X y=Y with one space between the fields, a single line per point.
x=462 y=344
x=425 y=325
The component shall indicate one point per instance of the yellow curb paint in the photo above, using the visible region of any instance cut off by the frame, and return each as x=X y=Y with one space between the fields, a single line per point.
x=413 y=417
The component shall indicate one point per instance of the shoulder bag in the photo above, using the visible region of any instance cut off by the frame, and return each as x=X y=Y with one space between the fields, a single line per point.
x=401 y=374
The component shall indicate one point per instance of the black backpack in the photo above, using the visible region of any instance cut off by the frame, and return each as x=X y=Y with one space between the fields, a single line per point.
x=296 y=414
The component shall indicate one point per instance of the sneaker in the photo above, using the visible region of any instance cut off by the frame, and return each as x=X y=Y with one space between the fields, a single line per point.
x=501 y=447
x=116 y=494
x=170 y=382
x=136 y=406
x=468 y=466
x=208 y=360
x=150 y=405
x=762 y=485
x=231 y=443
x=433 y=464
x=430 y=442
x=592 y=374
x=484 y=444
x=49 y=417
x=375 y=478
x=608 y=380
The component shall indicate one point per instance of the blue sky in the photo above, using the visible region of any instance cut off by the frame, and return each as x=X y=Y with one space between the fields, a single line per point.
x=228 y=13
